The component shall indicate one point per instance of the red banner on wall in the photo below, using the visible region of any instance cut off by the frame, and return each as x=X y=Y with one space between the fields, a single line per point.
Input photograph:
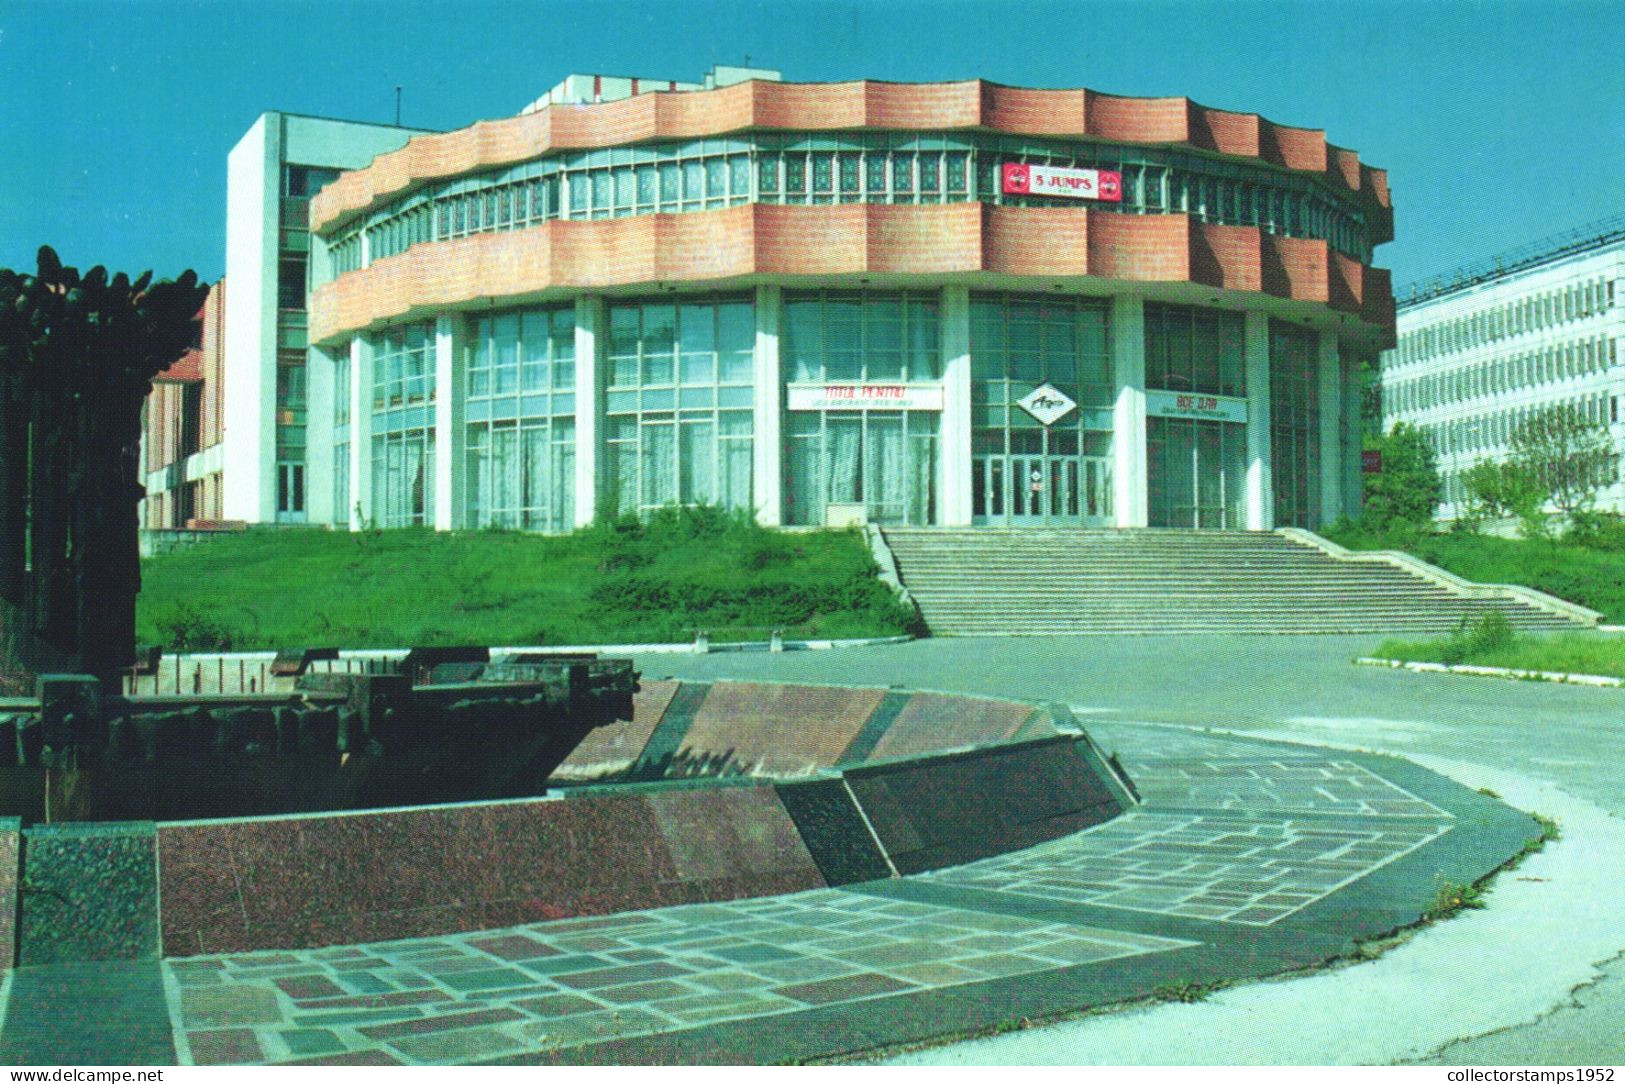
x=1100 y=184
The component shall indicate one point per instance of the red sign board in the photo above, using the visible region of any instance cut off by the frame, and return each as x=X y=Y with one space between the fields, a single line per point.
x=1371 y=462
x=1021 y=179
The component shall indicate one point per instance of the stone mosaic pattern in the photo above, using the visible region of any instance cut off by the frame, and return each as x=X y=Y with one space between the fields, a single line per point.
x=777 y=729
x=614 y=748
x=306 y=882
x=932 y=721
x=1295 y=785
x=563 y=984
x=1253 y=869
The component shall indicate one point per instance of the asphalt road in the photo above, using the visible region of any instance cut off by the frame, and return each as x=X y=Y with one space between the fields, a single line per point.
x=1552 y=944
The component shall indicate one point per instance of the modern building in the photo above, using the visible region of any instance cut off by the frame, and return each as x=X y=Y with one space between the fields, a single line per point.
x=181 y=455
x=943 y=304
x=1487 y=347
x=270 y=177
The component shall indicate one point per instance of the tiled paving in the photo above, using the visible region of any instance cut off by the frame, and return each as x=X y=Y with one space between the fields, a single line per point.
x=1234 y=837
x=1230 y=868
x=562 y=984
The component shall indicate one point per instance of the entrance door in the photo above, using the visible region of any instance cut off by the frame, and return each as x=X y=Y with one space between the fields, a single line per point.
x=1041 y=490
x=1196 y=473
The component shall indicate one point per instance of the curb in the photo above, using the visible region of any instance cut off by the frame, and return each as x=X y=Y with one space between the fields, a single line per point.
x=1599 y=680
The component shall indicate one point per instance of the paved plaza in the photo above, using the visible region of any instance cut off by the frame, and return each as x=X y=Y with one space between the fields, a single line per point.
x=1248 y=858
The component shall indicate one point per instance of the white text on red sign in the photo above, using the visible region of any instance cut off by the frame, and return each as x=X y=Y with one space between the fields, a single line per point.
x=1099 y=184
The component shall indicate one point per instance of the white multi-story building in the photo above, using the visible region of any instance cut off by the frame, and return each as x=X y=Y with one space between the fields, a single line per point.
x=1487 y=347
x=282 y=161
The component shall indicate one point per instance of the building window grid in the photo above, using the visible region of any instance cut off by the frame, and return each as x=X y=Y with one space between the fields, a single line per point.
x=403 y=366
x=861 y=335
x=829 y=168
x=403 y=478
x=1294 y=423
x=679 y=404
x=520 y=457
x=1194 y=349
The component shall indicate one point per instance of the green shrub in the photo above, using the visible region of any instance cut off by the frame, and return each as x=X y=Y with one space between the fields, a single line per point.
x=185 y=627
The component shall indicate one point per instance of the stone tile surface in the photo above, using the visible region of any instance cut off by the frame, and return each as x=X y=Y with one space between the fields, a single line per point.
x=710 y=963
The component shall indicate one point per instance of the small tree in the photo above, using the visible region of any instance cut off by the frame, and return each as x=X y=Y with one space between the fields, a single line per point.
x=1567 y=457
x=1407 y=489
x=1497 y=488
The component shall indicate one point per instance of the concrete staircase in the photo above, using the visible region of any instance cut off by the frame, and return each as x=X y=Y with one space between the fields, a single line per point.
x=1033 y=582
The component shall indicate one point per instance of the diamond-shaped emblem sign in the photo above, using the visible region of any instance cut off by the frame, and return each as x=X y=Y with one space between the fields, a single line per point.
x=1046 y=403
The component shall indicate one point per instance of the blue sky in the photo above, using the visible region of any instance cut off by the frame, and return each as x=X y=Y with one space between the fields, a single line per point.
x=1499 y=122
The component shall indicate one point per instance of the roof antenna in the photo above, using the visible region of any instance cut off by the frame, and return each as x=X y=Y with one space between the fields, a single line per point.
x=397 y=107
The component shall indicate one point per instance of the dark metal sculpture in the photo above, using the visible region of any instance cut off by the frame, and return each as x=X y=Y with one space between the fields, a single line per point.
x=77 y=357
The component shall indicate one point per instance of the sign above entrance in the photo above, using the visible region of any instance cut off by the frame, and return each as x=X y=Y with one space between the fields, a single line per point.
x=1179 y=404
x=1024 y=180
x=865 y=397
x=1046 y=403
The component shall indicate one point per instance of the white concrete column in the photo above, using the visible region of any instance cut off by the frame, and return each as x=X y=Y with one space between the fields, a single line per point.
x=767 y=434
x=590 y=334
x=450 y=435
x=1260 y=480
x=954 y=440
x=319 y=393
x=360 y=511
x=1330 y=372
x=1128 y=415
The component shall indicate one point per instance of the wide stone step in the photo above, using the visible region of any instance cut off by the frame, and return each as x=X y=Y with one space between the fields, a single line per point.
x=1081 y=581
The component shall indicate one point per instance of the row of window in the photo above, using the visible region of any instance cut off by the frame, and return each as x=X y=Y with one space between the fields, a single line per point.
x=699 y=355
x=1496 y=376
x=857 y=168
x=1572 y=301
x=1493 y=430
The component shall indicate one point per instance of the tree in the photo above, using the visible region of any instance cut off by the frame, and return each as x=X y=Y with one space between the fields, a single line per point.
x=1567 y=456
x=1407 y=489
x=1497 y=488
x=77 y=358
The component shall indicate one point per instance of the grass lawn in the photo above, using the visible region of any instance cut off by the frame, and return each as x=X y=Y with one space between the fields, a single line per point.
x=1568 y=652
x=622 y=582
x=1580 y=574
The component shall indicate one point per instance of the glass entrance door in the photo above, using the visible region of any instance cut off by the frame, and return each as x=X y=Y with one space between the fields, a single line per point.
x=1196 y=473
x=1038 y=490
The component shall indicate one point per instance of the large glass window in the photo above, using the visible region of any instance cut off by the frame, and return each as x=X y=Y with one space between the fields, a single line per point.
x=1295 y=423
x=884 y=460
x=403 y=478
x=1023 y=471
x=403 y=366
x=861 y=336
x=678 y=404
x=1195 y=350
x=520 y=463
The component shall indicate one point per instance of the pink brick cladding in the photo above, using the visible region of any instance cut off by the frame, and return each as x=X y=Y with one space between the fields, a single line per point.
x=825 y=106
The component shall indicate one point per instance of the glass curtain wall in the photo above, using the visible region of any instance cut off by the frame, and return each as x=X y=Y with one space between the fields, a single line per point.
x=341 y=434
x=1196 y=468
x=883 y=459
x=520 y=416
x=1295 y=423
x=403 y=427
x=678 y=402
x=1022 y=471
